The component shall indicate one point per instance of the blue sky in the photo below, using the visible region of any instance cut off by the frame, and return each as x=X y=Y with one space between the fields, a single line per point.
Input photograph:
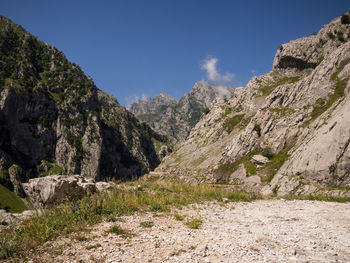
x=140 y=48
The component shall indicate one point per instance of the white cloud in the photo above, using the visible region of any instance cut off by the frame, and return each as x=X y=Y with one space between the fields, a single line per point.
x=209 y=65
x=223 y=92
x=253 y=71
x=134 y=98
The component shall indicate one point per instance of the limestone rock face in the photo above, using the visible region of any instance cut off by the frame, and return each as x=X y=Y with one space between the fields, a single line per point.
x=54 y=120
x=175 y=118
x=16 y=176
x=57 y=188
x=295 y=118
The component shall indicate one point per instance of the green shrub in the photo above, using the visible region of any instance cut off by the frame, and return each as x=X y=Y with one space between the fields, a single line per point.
x=179 y=217
x=340 y=36
x=116 y=229
x=89 y=247
x=257 y=128
x=330 y=35
x=332 y=168
x=147 y=224
x=206 y=110
x=81 y=238
x=230 y=123
x=345 y=19
x=54 y=169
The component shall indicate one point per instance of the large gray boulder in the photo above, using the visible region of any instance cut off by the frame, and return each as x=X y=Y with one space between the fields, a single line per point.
x=57 y=188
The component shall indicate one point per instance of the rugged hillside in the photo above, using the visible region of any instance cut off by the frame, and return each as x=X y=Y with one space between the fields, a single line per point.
x=286 y=132
x=54 y=120
x=176 y=118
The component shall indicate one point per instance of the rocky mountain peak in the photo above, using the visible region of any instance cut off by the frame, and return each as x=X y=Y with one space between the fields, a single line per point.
x=297 y=116
x=175 y=118
x=162 y=95
x=308 y=52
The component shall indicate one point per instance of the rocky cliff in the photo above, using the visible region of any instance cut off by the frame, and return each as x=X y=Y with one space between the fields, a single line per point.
x=54 y=120
x=286 y=132
x=175 y=118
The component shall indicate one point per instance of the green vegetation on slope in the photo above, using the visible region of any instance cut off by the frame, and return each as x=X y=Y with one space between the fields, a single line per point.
x=10 y=201
x=274 y=164
x=267 y=172
x=230 y=123
x=266 y=90
x=226 y=169
x=320 y=105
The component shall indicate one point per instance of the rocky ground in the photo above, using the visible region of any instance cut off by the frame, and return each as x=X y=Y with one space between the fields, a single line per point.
x=260 y=231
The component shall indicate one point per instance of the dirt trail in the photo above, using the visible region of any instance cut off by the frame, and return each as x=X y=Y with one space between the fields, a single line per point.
x=260 y=231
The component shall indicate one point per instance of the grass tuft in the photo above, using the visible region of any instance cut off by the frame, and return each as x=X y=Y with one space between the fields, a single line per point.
x=89 y=247
x=194 y=223
x=81 y=238
x=147 y=224
x=179 y=217
x=116 y=229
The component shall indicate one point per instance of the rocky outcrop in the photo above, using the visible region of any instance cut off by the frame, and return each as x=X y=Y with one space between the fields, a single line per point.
x=54 y=189
x=175 y=118
x=297 y=116
x=54 y=120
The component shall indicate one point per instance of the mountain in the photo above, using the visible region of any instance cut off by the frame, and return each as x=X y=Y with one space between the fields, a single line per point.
x=286 y=132
x=175 y=118
x=54 y=120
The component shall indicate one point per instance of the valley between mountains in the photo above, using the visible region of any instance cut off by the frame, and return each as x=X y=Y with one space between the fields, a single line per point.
x=223 y=174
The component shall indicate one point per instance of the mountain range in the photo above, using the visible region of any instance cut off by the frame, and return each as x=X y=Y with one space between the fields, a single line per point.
x=175 y=118
x=286 y=133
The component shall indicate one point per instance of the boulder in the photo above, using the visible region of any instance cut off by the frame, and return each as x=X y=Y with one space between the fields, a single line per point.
x=259 y=159
x=57 y=188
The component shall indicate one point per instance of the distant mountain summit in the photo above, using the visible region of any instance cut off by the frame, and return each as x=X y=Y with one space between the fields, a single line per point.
x=175 y=118
x=152 y=105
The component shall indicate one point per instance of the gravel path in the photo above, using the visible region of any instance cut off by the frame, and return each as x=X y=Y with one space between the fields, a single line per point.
x=260 y=231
